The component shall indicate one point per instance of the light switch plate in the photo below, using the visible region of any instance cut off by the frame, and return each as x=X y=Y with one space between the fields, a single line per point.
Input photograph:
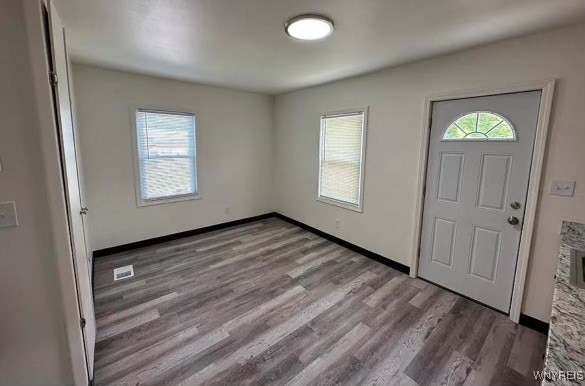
x=562 y=188
x=8 y=216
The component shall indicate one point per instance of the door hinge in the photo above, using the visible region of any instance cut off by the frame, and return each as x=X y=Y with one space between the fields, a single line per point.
x=53 y=78
x=82 y=322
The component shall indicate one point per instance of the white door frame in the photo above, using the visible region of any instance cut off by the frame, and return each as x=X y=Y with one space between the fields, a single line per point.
x=547 y=89
x=62 y=255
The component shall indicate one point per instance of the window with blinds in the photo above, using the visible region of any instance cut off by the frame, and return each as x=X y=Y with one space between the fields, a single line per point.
x=166 y=156
x=341 y=156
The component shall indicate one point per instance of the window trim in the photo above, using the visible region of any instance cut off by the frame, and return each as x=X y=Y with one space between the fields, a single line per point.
x=331 y=201
x=140 y=202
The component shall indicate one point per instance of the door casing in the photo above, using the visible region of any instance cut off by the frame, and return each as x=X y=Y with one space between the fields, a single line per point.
x=67 y=137
x=547 y=89
x=59 y=226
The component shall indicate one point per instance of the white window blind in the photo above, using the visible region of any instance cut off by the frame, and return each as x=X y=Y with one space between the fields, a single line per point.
x=341 y=157
x=166 y=155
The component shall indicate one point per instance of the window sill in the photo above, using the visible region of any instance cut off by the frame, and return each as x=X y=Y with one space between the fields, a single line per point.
x=340 y=204
x=169 y=200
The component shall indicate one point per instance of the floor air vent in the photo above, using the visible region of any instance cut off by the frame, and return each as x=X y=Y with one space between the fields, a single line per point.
x=123 y=272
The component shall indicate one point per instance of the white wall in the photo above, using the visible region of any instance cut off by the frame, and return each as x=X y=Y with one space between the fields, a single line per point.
x=33 y=343
x=396 y=98
x=234 y=132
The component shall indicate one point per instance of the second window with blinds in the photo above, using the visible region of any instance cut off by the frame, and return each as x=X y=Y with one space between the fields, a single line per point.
x=166 y=157
x=341 y=158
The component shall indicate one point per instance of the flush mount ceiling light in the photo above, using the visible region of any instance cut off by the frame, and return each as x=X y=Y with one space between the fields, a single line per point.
x=309 y=27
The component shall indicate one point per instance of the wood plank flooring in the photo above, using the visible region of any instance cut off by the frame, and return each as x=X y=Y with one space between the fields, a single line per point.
x=270 y=303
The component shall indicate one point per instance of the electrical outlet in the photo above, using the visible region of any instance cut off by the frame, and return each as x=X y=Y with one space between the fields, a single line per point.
x=562 y=188
x=227 y=210
x=8 y=216
x=336 y=223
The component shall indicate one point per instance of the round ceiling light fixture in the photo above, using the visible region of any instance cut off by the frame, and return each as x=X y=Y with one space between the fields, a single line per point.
x=309 y=27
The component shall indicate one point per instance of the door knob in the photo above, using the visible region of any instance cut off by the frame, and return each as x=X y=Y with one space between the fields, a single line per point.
x=83 y=210
x=513 y=220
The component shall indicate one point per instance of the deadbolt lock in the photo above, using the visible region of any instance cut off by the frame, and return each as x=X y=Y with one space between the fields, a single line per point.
x=515 y=205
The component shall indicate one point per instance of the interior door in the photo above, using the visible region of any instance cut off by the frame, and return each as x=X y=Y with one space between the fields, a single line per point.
x=480 y=154
x=82 y=195
x=71 y=180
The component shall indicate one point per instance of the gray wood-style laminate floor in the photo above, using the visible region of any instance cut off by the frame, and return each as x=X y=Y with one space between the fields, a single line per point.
x=270 y=303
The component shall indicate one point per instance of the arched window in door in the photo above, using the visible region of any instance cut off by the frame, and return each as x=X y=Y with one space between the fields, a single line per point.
x=480 y=126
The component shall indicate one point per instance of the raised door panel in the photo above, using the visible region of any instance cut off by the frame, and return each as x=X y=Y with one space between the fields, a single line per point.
x=449 y=179
x=493 y=182
x=485 y=253
x=443 y=241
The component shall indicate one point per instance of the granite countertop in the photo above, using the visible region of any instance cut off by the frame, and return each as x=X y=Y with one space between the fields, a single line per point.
x=565 y=350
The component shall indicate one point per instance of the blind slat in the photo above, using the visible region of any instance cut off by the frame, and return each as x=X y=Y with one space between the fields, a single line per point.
x=341 y=157
x=167 y=154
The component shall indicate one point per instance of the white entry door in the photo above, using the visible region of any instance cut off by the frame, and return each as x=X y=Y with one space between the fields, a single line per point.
x=73 y=192
x=480 y=154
